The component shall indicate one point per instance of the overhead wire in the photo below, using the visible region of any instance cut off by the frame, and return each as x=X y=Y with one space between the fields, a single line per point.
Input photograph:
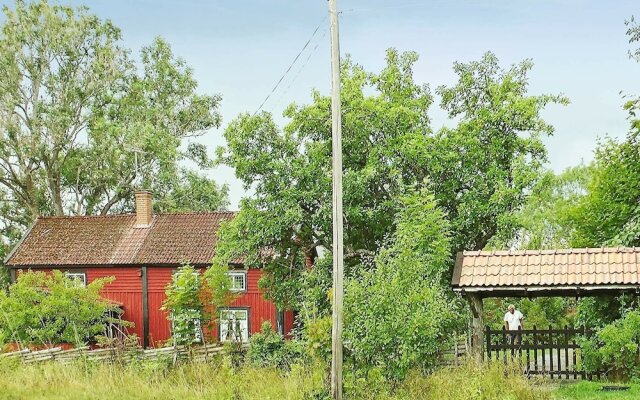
x=290 y=66
x=302 y=67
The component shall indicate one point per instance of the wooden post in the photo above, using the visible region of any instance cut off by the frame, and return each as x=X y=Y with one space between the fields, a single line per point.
x=336 y=141
x=477 y=327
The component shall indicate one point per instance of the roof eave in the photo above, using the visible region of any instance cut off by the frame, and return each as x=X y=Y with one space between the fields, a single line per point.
x=7 y=259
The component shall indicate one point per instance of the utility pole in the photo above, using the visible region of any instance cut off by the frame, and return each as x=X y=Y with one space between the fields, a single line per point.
x=338 y=262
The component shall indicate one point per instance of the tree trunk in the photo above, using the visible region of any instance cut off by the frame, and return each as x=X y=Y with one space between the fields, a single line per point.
x=477 y=327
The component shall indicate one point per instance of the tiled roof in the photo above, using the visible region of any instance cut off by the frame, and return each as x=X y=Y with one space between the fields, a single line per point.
x=114 y=240
x=553 y=268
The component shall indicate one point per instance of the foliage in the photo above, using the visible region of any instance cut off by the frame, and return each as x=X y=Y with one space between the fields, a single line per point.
x=614 y=348
x=482 y=170
x=634 y=36
x=154 y=380
x=609 y=213
x=193 y=300
x=289 y=171
x=47 y=309
x=318 y=338
x=82 y=123
x=544 y=220
x=216 y=288
x=269 y=349
x=471 y=381
x=479 y=171
x=541 y=312
x=185 y=306
x=398 y=316
x=587 y=390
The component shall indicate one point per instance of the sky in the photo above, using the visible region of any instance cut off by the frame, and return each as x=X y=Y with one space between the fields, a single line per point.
x=241 y=48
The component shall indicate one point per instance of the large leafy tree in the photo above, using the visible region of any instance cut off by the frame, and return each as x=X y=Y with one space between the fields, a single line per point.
x=483 y=169
x=479 y=171
x=82 y=123
x=384 y=124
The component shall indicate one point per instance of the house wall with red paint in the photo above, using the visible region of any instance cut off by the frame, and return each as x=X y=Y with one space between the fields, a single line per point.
x=127 y=291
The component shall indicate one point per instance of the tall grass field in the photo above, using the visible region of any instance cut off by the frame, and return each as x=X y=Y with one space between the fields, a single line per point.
x=160 y=380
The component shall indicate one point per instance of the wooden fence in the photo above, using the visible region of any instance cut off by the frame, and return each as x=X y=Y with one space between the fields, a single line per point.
x=196 y=353
x=554 y=353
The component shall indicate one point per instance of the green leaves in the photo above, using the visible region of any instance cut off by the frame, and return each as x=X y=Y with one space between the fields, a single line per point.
x=482 y=170
x=614 y=348
x=82 y=123
x=45 y=309
x=398 y=316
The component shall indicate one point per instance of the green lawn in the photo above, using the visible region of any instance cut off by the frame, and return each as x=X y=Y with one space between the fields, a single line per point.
x=592 y=391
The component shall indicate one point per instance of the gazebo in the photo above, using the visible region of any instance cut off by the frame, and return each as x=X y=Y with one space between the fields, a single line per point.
x=538 y=273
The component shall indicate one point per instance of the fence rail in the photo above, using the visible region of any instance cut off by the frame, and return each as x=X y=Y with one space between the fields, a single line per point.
x=554 y=353
x=198 y=354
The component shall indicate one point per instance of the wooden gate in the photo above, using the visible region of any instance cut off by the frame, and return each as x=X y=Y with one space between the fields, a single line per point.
x=554 y=353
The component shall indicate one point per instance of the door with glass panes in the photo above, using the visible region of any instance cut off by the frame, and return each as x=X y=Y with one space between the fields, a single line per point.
x=234 y=325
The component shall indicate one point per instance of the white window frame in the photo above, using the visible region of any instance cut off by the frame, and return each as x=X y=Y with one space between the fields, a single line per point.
x=197 y=329
x=244 y=335
x=76 y=276
x=232 y=275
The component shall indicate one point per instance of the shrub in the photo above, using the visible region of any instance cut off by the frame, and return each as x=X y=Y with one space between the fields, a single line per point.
x=269 y=349
x=47 y=309
x=398 y=316
x=193 y=301
x=614 y=348
x=185 y=306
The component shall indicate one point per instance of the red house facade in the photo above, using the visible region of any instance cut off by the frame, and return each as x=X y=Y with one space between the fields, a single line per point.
x=142 y=251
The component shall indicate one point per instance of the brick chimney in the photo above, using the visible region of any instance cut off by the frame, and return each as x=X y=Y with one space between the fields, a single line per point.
x=144 y=208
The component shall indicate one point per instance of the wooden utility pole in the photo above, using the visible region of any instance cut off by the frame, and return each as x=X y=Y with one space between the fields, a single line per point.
x=338 y=262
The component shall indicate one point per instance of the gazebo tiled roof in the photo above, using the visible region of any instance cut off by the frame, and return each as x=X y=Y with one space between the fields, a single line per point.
x=585 y=268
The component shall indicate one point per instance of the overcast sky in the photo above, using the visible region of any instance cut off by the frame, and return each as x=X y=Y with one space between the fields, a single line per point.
x=241 y=48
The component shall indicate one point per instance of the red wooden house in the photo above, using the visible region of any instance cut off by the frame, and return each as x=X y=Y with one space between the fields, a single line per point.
x=142 y=251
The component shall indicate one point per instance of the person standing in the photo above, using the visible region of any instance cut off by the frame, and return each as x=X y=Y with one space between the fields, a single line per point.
x=513 y=322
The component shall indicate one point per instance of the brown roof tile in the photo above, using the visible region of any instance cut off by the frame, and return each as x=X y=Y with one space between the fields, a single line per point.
x=588 y=266
x=113 y=240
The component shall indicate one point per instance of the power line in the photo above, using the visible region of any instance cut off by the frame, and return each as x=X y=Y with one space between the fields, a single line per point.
x=291 y=65
x=302 y=67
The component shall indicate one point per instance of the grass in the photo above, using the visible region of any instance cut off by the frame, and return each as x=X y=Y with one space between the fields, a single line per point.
x=592 y=391
x=158 y=380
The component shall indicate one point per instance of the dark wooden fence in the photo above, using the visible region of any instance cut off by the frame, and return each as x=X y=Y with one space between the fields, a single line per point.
x=554 y=353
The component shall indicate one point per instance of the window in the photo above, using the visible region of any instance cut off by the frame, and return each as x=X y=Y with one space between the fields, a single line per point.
x=78 y=277
x=238 y=281
x=191 y=316
x=234 y=325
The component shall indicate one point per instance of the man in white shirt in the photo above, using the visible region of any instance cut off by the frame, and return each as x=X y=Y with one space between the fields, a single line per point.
x=513 y=321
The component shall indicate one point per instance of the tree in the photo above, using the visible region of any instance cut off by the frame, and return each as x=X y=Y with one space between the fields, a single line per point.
x=399 y=316
x=46 y=309
x=193 y=300
x=482 y=170
x=289 y=173
x=610 y=212
x=544 y=220
x=81 y=126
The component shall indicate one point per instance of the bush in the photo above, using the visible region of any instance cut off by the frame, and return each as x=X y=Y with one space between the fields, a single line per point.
x=269 y=349
x=614 y=349
x=398 y=316
x=47 y=309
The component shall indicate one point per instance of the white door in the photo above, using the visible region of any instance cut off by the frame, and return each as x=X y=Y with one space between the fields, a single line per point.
x=234 y=325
